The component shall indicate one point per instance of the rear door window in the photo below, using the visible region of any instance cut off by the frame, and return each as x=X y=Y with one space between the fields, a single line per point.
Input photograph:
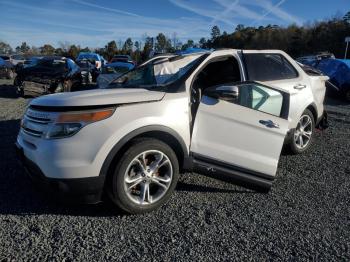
x=268 y=67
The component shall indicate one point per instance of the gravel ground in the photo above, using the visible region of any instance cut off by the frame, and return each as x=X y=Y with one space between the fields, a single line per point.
x=304 y=217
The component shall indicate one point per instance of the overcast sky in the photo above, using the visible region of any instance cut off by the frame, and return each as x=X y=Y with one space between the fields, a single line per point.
x=94 y=23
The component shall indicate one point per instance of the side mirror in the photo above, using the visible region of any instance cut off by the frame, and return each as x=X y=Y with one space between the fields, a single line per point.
x=224 y=92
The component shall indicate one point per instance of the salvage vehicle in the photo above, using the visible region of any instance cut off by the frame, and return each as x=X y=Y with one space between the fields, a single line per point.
x=6 y=69
x=112 y=71
x=31 y=61
x=122 y=58
x=198 y=112
x=48 y=75
x=17 y=59
x=89 y=72
x=94 y=58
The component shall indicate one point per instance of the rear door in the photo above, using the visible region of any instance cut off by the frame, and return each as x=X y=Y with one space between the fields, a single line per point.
x=276 y=68
x=242 y=137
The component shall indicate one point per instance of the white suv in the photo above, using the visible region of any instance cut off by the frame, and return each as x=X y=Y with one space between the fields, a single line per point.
x=172 y=114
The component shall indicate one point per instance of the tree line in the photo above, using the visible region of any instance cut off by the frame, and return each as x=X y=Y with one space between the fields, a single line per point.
x=296 y=40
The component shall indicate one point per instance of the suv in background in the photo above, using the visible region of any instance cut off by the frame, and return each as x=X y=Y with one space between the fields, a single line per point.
x=122 y=58
x=172 y=114
x=94 y=58
x=17 y=59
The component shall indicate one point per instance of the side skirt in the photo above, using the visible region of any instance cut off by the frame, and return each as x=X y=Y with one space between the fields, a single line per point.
x=233 y=174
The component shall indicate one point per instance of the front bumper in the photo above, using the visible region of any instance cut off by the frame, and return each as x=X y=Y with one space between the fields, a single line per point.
x=76 y=190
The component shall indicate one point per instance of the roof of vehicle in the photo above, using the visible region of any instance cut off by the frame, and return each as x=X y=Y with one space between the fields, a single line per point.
x=121 y=64
x=116 y=56
x=53 y=57
x=88 y=54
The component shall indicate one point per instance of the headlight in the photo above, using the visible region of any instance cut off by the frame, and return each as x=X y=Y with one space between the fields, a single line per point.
x=68 y=124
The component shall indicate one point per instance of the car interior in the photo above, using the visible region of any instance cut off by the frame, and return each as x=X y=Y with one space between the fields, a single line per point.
x=222 y=70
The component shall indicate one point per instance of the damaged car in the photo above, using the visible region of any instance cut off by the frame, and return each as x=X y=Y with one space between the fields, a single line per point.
x=223 y=113
x=48 y=75
x=112 y=71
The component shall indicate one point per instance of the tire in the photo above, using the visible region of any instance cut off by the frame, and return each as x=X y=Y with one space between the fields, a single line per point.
x=63 y=87
x=144 y=193
x=19 y=86
x=67 y=86
x=299 y=133
x=10 y=74
x=89 y=78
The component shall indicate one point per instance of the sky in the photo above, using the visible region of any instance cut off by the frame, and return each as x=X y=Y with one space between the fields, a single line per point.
x=93 y=23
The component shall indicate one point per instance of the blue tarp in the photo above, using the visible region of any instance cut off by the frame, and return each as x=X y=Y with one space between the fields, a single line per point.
x=338 y=71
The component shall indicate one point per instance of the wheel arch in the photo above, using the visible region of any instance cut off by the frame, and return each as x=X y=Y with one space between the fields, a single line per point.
x=312 y=108
x=163 y=133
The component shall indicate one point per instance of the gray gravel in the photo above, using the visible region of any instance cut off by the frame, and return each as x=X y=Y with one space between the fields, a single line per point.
x=304 y=217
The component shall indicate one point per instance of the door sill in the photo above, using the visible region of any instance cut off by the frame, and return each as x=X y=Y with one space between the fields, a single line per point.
x=230 y=173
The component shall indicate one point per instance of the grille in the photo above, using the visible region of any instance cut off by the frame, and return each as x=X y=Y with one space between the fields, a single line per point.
x=35 y=123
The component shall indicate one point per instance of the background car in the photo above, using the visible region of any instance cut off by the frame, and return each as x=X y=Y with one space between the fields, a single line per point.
x=89 y=72
x=122 y=58
x=5 y=57
x=16 y=59
x=112 y=71
x=48 y=75
x=6 y=69
x=94 y=58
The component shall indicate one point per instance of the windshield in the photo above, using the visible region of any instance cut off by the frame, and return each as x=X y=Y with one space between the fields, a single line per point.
x=159 y=72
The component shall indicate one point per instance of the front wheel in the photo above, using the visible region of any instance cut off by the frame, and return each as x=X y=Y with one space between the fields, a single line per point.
x=303 y=134
x=63 y=87
x=145 y=176
x=10 y=74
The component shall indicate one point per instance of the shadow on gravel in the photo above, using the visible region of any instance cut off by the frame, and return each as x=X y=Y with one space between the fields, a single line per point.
x=181 y=186
x=335 y=101
x=18 y=196
x=8 y=91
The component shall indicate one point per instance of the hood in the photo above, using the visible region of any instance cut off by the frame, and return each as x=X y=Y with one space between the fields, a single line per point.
x=99 y=97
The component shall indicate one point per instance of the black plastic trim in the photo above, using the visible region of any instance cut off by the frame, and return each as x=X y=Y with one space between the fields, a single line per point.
x=86 y=190
x=221 y=170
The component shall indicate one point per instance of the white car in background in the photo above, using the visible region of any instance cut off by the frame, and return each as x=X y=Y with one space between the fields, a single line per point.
x=176 y=113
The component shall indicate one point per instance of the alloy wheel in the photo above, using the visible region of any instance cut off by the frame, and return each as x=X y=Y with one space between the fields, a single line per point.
x=303 y=132
x=148 y=177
